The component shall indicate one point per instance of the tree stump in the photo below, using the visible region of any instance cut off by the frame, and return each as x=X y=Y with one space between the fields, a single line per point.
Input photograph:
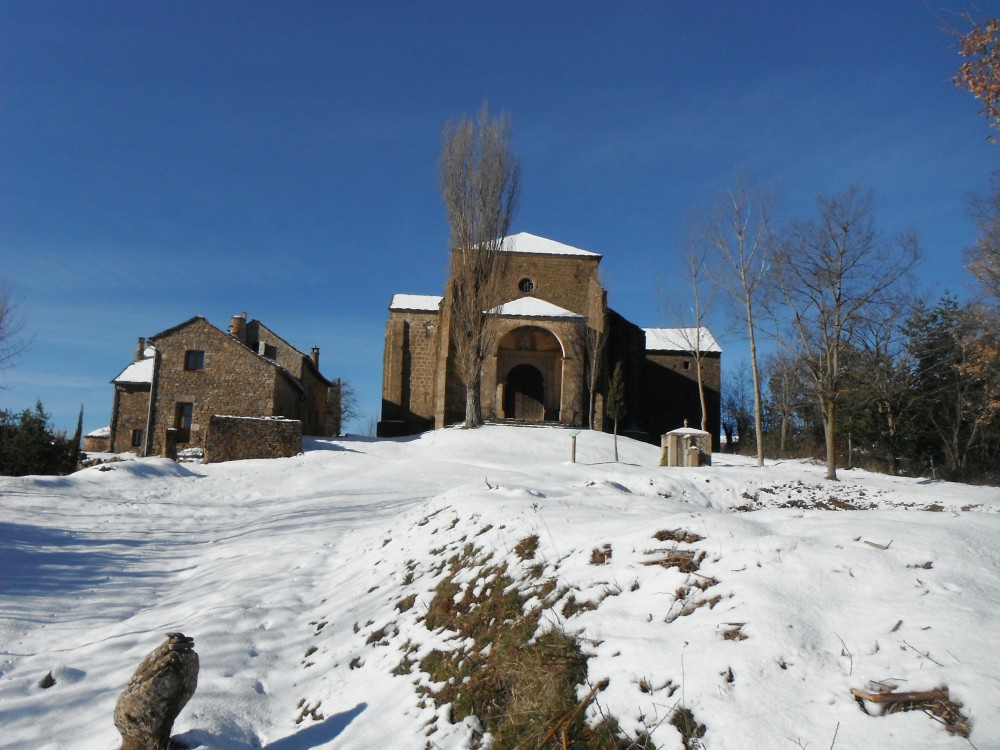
x=159 y=689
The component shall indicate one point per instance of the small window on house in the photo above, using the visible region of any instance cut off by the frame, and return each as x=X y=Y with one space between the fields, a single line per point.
x=194 y=360
x=136 y=438
x=686 y=364
x=183 y=418
x=270 y=351
x=526 y=285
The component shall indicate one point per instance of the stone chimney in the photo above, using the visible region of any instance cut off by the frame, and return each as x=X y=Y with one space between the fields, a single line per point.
x=140 y=349
x=314 y=355
x=238 y=327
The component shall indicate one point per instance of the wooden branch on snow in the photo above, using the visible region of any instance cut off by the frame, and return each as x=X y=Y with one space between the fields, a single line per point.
x=911 y=696
x=935 y=703
x=876 y=545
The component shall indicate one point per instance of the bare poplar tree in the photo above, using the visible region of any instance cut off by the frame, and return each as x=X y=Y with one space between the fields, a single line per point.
x=480 y=182
x=833 y=273
x=740 y=232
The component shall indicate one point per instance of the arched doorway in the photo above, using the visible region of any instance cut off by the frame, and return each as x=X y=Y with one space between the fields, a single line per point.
x=524 y=397
x=529 y=373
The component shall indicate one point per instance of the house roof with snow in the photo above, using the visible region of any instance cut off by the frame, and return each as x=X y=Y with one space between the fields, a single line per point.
x=681 y=340
x=416 y=302
x=524 y=242
x=532 y=307
x=140 y=371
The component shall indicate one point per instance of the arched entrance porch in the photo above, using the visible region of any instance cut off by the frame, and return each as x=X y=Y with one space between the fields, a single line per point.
x=529 y=375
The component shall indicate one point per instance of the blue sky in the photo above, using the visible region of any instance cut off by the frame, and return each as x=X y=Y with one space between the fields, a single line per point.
x=165 y=160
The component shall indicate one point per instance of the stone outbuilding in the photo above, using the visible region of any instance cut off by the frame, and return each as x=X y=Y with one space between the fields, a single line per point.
x=557 y=306
x=686 y=446
x=97 y=441
x=185 y=375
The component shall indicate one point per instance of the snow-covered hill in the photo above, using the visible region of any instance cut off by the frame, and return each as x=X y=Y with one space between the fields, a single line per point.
x=755 y=598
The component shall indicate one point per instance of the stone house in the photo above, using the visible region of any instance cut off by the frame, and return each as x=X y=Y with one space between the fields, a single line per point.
x=185 y=375
x=538 y=372
x=97 y=441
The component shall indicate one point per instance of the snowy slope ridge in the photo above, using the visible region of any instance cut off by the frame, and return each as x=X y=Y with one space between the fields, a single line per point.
x=305 y=583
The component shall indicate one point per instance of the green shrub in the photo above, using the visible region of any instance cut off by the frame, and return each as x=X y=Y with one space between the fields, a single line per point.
x=28 y=445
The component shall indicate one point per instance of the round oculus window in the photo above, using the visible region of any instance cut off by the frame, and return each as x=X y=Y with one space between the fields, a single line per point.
x=526 y=285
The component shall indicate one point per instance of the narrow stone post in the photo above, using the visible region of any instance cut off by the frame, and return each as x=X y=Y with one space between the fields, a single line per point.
x=572 y=453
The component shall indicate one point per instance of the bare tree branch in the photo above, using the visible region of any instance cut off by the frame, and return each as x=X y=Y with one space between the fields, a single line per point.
x=12 y=339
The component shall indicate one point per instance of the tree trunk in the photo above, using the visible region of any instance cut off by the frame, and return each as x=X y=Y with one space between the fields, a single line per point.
x=616 y=440
x=701 y=395
x=473 y=406
x=830 y=433
x=758 y=408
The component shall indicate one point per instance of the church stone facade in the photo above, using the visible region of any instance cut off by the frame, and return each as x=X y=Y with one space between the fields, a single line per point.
x=538 y=371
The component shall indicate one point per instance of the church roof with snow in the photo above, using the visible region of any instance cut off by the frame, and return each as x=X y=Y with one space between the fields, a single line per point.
x=535 y=245
x=680 y=340
x=532 y=307
x=416 y=302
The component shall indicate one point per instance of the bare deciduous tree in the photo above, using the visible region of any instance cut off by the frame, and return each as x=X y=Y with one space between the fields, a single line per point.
x=832 y=273
x=696 y=336
x=480 y=179
x=12 y=341
x=342 y=406
x=784 y=380
x=983 y=258
x=740 y=231
x=737 y=409
x=596 y=339
x=693 y=317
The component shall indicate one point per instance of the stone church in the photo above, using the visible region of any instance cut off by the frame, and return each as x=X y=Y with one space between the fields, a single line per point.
x=538 y=372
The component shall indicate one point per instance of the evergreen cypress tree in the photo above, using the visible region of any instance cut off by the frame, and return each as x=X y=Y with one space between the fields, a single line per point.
x=616 y=400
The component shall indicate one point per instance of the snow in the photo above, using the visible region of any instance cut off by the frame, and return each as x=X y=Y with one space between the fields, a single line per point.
x=523 y=242
x=283 y=570
x=532 y=307
x=680 y=340
x=140 y=371
x=417 y=302
x=100 y=432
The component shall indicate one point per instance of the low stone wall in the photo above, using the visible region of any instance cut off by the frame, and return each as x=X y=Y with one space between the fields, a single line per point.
x=238 y=438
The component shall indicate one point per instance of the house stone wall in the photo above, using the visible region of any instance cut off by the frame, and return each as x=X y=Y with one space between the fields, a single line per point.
x=239 y=438
x=312 y=410
x=233 y=381
x=130 y=412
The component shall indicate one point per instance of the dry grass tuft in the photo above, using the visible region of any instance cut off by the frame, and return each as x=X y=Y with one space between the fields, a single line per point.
x=677 y=535
x=600 y=555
